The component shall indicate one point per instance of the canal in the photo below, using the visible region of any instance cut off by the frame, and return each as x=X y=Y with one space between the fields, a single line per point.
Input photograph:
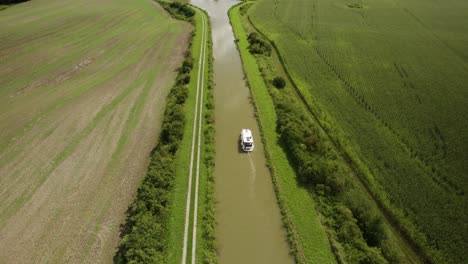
x=249 y=227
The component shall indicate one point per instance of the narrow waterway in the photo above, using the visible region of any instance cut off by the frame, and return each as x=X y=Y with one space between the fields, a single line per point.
x=249 y=226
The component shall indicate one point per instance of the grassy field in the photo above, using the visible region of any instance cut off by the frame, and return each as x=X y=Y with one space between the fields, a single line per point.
x=387 y=79
x=82 y=84
x=305 y=232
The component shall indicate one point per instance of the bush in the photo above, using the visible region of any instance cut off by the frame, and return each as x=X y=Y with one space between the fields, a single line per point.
x=258 y=45
x=183 y=79
x=369 y=220
x=179 y=93
x=187 y=65
x=178 y=10
x=279 y=82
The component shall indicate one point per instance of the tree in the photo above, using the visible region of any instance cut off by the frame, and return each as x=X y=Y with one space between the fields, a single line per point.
x=279 y=82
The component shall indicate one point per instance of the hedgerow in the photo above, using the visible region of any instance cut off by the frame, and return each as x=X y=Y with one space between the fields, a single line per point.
x=178 y=10
x=258 y=45
x=208 y=223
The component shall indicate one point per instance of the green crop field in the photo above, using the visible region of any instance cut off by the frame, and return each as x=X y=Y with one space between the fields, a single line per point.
x=389 y=82
x=82 y=86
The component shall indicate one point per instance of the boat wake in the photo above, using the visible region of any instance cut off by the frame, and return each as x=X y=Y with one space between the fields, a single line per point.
x=253 y=176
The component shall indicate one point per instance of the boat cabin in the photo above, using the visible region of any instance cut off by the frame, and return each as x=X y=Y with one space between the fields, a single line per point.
x=246 y=140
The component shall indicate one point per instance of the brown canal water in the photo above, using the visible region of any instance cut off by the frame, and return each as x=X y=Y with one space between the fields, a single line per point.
x=249 y=226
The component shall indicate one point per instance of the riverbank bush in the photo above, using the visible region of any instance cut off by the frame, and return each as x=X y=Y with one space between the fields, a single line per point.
x=279 y=82
x=209 y=255
x=258 y=45
x=178 y=10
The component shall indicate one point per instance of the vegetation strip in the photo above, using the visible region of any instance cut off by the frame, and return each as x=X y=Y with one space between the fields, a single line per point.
x=208 y=222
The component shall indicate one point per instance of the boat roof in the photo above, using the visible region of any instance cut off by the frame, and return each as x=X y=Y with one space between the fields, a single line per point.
x=247 y=135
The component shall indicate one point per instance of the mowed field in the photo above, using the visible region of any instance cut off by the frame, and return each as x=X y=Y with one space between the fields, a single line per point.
x=389 y=81
x=82 y=86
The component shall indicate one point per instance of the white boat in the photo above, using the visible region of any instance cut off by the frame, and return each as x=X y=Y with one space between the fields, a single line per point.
x=246 y=140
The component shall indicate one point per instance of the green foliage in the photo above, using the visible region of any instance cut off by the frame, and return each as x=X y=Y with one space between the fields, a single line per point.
x=178 y=10
x=258 y=45
x=369 y=221
x=279 y=82
x=209 y=254
x=184 y=79
x=180 y=93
